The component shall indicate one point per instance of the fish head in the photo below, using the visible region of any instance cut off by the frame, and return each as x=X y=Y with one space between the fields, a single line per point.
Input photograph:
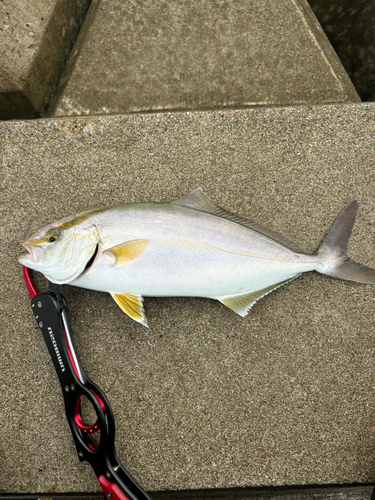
x=61 y=251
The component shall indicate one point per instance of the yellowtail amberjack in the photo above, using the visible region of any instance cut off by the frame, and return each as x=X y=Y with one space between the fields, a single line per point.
x=190 y=247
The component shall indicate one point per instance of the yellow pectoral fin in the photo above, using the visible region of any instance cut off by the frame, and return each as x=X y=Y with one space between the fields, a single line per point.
x=242 y=303
x=127 y=251
x=132 y=306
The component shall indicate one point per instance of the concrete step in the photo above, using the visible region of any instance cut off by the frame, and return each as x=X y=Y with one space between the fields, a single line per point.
x=132 y=57
x=35 y=41
x=204 y=398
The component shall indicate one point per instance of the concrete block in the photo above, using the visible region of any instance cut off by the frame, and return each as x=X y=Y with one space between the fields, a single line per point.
x=178 y=55
x=203 y=399
x=35 y=40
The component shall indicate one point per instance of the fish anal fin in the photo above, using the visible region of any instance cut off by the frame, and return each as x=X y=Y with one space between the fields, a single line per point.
x=241 y=304
x=127 y=251
x=199 y=201
x=132 y=305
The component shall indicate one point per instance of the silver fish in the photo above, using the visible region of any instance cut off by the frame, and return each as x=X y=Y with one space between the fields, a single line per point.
x=190 y=247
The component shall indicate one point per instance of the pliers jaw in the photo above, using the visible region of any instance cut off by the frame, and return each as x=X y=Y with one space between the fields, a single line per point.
x=94 y=442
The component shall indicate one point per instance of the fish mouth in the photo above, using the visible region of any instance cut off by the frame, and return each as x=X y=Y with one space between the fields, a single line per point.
x=33 y=255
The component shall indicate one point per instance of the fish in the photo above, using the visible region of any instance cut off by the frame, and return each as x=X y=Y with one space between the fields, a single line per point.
x=190 y=247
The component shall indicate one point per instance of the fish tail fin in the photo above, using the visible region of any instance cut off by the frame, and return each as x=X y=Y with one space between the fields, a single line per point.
x=334 y=261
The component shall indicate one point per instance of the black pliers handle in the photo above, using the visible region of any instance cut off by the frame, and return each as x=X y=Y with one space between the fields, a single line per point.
x=94 y=442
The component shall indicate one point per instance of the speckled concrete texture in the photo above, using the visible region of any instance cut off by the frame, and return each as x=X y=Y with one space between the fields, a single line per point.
x=173 y=55
x=35 y=41
x=204 y=398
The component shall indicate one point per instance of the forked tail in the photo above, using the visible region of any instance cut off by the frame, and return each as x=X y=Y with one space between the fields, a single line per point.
x=335 y=262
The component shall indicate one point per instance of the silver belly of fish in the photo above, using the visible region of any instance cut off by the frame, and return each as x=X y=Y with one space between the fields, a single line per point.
x=191 y=271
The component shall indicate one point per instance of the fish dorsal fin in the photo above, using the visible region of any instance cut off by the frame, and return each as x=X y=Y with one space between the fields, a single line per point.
x=198 y=200
x=241 y=304
x=132 y=305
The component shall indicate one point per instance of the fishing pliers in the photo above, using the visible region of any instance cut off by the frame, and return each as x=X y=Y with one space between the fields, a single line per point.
x=94 y=442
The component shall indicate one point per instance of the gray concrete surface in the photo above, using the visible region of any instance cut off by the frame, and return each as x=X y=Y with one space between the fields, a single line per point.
x=204 y=398
x=35 y=41
x=173 y=55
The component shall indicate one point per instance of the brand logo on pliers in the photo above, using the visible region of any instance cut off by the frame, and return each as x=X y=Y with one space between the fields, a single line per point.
x=54 y=344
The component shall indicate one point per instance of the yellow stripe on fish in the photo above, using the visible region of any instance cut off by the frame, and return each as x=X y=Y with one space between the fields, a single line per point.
x=37 y=241
x=79 y=219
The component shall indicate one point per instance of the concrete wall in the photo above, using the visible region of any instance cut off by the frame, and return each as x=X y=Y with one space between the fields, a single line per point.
x=174 y=55
x=35 y=42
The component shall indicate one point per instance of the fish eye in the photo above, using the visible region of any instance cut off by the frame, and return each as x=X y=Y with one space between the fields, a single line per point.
x=52 y=235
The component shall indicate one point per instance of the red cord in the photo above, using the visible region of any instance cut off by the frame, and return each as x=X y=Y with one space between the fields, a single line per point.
x=29 y=284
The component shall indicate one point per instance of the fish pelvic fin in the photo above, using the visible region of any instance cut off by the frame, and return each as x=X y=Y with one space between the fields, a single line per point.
x=132 y=305
x=334 y=247
x=241 y=304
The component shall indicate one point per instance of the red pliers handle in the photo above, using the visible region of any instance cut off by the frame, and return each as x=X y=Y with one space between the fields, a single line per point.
x=94 y=442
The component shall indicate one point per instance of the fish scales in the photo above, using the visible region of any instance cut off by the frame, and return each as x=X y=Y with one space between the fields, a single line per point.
x=188 y=252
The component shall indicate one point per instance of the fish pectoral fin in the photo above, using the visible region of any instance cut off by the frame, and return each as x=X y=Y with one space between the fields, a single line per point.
x=132 y=305
x=127 y=251
x=241 y=304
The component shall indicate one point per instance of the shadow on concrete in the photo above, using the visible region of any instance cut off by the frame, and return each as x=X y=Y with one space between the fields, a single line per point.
x=32 y=97
x=350 y=27
x=15 y=105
